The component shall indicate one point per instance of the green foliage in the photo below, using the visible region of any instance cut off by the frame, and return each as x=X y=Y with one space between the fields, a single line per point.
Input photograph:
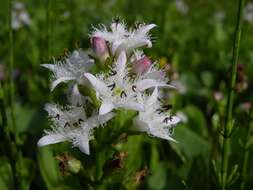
x=197 y=45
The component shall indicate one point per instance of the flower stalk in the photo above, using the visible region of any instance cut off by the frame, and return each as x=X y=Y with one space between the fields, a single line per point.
x=10 y=144
x=228 y=124
x=246 y=147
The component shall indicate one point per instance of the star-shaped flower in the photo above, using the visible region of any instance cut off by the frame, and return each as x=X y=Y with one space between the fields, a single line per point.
x=118 y=89
x=71 y=125
x=122 y=39
x=156 y=119
x=71 y=68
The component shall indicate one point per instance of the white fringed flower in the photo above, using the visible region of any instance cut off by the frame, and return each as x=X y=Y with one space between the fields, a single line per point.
x=71 y=125
x=71 y=68
x=20 y=16
x=121 y=39
x=118 y=89
x=156 y=119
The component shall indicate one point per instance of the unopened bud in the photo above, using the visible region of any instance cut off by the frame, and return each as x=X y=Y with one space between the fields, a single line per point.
x=142 y=65
x=68 y=164
x=100 y=48
x=74 y=166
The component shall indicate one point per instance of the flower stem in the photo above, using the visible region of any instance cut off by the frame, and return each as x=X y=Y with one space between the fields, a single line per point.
x=246 y=150
x=10 y=146
x=11 y=63
x=47 y=28
x=228 y=124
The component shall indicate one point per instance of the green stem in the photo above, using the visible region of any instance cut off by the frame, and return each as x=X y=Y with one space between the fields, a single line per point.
x=228 y=124
x=11 y=65
x=246 y=150
x=10 y=146
x=47 y=28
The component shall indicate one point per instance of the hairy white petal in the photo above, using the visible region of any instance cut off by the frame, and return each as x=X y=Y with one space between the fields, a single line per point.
x=132 y=105
x=149 y=83
x=99 y=85
x=153 y=98
x=83 y=145
x=51 y=139
x=146 y=28
x=60 y=80
x=96 y=120
x=105 y=108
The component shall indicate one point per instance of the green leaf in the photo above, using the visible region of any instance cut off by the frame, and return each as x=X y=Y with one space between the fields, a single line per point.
x=27 y=172
x=196 y=120
x=157 y=180
x=6 y=181
x=190 y=143
x=48 y=167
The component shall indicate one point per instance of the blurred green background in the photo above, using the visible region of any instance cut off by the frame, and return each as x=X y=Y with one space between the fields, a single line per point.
x=195 y=37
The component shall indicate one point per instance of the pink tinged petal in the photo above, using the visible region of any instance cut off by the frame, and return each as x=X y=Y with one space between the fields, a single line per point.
x=51 y=139
x=142 y=65
x=99 y=85
x=83 y=145
x=105 y=108
x=132 y=106
x=149 y=83
x=60 y=80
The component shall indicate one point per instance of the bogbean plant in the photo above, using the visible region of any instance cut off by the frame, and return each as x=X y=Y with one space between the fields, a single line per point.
x=112 y=82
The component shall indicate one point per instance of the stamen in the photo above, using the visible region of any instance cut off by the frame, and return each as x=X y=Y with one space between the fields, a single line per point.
x=112 y=86
x=57 y=117
x=167 y=107
x=134 y=88
x=166 y=120
x=80 y=121
x=159 y=111
x=75 y=124
x=123 y=93
x=112 y=72
x=67 y=124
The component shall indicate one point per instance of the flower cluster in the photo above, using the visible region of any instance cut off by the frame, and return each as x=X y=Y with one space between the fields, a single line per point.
x=129 y=80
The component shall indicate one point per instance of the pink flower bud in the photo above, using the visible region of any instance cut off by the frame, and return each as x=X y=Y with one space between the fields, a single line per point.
x=142 y=65
x=100 y=49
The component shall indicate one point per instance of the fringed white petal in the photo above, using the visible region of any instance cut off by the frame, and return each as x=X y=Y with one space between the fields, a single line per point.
x=51 y=139
x=149 y=83
x=105 y=108
x=153 y=98
x=83 y=145
x=99 y=85
x=132 y=106
x=60 y=80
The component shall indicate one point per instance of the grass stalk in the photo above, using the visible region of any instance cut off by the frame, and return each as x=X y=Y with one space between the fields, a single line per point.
x=228 y=124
